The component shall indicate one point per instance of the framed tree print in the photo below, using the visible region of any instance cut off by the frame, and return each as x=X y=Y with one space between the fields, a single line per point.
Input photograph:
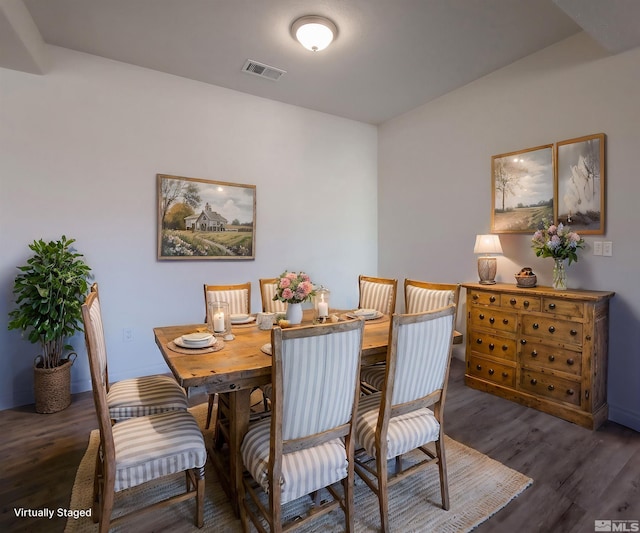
x=204 y=219
x=522 y=190
x=580 y=183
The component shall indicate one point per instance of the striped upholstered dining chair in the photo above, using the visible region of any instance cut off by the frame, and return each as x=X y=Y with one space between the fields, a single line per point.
x=138 y=450
x=419 y=296
x=239 y=299
x=407 y=414
x=267 y=291
x=378 y=294
x=141 y=396
x=308 y=443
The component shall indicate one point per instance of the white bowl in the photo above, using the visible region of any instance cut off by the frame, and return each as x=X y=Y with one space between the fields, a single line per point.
x=365 y=312
x=239 y=317
x=196 y=338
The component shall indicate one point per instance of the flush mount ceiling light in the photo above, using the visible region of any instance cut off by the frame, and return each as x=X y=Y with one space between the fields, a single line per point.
x=314 y=33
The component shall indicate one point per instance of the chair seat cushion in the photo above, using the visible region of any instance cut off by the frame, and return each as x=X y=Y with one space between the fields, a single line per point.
x=374 y=375
x=146 y=395
x=406 y=432
x=303 y=471
x=150 y=447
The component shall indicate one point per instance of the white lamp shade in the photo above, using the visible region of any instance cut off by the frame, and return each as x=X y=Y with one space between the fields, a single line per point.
x=487 y=244
x=314 y=33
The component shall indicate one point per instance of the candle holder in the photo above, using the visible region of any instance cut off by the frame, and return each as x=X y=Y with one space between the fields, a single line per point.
x=219 y=319
x=321 y=304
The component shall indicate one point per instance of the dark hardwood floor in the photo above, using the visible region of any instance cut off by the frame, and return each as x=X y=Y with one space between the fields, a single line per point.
x=579 y=475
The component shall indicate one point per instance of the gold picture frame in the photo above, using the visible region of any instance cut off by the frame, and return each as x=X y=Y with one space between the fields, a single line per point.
x=580 y=183
x=522 y=191
x=205 y=219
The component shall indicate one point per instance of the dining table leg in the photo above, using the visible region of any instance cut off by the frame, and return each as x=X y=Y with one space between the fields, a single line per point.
x=240 y=407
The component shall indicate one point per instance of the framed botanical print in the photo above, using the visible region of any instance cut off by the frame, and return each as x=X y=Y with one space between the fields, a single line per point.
x=522 y=189
x=581 y=183
x=205 y=219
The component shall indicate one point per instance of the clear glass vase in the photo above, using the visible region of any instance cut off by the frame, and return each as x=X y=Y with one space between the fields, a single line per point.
x=560 y=274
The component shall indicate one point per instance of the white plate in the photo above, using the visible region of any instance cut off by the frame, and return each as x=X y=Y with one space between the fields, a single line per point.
x=207 y=343
x=246 y=319
x=377 y=314
x=266 y=348
x=239 y=316
x=196 y=338
x=365 y=312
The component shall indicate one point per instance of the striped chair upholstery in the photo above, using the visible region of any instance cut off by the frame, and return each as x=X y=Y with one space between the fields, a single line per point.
x=378 y=293
x=406 y=415
x=308 y=442
x=267 y=291
x=138 y=450
x=419 y=296
x=139 y=396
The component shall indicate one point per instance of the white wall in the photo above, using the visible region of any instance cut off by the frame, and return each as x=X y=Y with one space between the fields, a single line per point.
x=435 y=183
x=80 y=148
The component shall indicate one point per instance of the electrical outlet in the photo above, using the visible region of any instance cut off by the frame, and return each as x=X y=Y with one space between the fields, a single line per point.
x=127 y=335
x=597 y=247
x=607 y=248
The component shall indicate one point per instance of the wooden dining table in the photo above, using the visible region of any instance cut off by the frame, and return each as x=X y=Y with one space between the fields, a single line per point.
x=235 y=370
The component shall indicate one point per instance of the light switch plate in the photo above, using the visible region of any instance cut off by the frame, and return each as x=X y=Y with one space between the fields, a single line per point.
x=607 y=248
x=597 y=247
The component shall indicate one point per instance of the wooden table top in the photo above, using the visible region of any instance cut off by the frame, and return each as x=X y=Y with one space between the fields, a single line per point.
x=241 y=364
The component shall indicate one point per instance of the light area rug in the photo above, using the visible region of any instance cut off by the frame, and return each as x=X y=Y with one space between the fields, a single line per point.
x=478 y=488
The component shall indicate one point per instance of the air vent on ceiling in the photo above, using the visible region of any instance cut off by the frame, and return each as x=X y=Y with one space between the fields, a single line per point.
x=262 y=70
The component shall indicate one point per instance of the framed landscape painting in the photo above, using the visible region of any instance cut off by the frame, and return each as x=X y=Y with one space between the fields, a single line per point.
x=205 y=219
x=522 y=190
x=581 y=181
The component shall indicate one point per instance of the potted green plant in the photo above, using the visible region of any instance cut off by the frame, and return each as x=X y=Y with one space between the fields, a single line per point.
x=49 y=291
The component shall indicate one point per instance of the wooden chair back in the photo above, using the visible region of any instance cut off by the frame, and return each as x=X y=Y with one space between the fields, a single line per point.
x=237 y=296
x=420 y=296
x=267 y=291
x=378 y=293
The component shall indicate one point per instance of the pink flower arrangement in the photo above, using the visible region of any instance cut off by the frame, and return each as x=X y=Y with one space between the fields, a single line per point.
x=294 y=288
x=558 y=242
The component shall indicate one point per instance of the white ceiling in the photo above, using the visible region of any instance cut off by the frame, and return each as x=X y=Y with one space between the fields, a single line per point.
x=389 y=57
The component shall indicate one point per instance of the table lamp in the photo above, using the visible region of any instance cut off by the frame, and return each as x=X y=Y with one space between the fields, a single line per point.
x=487 y=265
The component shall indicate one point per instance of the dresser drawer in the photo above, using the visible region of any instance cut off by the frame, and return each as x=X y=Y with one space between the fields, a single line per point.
x=520 y=302
x=494 y=345
x=539 y=354
x=484 y=298
x=541 y=384
x=499 y=373
x=566 y=308
x=496 y=319
x=551 y=328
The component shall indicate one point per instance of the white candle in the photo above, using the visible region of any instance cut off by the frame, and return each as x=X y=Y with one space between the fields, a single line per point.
x=323 y=308
x=218 y=322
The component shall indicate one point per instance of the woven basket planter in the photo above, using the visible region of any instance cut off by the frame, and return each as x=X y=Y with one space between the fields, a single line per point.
x=52 y=387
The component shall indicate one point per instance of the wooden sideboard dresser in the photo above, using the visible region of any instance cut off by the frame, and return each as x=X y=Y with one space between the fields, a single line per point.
x=541 y=347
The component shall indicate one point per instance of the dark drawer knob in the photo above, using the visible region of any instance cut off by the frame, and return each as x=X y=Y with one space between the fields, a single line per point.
x=551 y=387
x=551 y=329
x=570 y=361
x=479 y=341
x=552 y=358
x=492 y=320
x=478 y=367
x=573 y=332
x=536 y=325
x=232 y=386
x=512 y=301
x=505 y=375
x=475 y=296
x=492 y=299
x=491 y=346
x=534 y=381
x=491 y=371
x=481 y=316
x=588 y=337
x=523 y=341
x=552 y=306
x=504 y=347
x=534 y=353
x=526 y=303
x=505 y=321
x=570 y=392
